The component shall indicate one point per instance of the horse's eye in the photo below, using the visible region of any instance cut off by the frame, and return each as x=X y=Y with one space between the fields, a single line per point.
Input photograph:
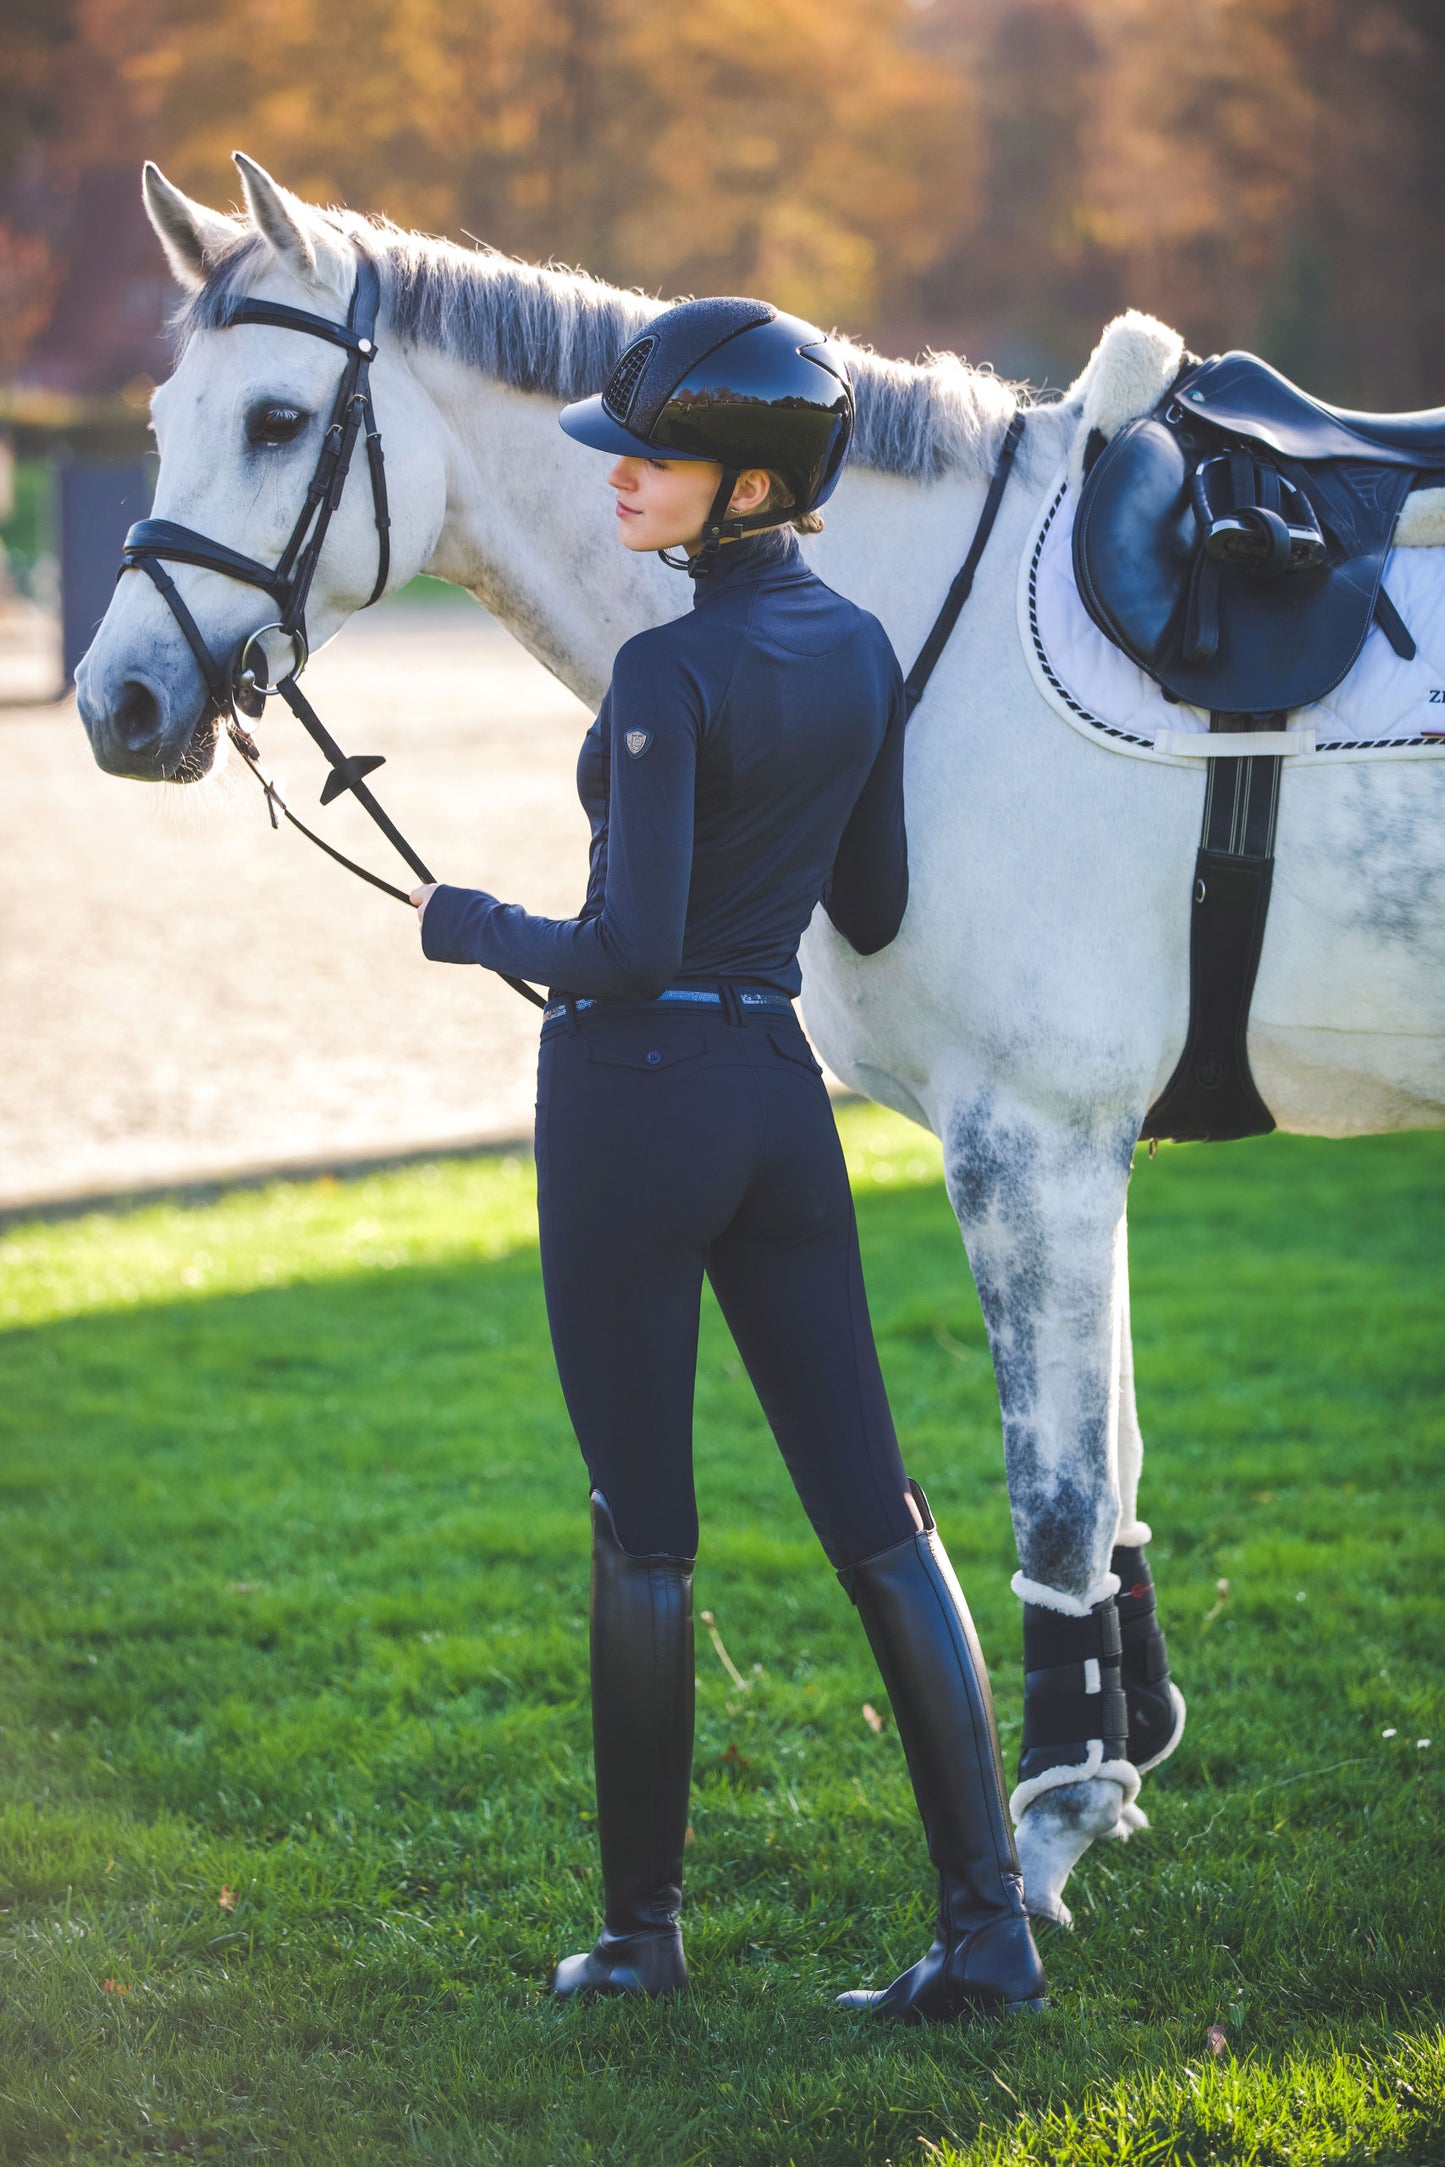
x=273 y=423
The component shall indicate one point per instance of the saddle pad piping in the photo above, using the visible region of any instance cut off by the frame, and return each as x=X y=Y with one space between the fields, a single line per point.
x=1095 y=722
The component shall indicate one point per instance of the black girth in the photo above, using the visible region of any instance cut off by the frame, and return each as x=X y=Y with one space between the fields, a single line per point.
x=1211 y=1096
x=239 y=690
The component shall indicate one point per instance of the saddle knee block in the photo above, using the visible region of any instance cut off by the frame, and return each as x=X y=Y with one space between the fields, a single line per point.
x=1155 y=1705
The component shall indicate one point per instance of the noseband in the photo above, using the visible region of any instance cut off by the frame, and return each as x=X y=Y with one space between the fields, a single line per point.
x=240 y=690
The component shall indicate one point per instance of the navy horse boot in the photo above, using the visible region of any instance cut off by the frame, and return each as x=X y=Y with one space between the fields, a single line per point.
x=1155 y=1703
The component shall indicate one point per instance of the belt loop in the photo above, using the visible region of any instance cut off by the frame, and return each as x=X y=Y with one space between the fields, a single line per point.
x=731 y=1005
x=571 y=1007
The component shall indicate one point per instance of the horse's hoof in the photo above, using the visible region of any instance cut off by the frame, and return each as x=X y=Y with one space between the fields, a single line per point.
x=1054 y=1831
x=1131 y=1822
x=1051 y=1912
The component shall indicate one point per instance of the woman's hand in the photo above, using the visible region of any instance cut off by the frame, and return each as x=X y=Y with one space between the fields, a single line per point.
x=421 y=897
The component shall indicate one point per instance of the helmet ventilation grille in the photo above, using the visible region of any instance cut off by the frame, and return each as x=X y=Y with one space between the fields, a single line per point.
x=625 y=378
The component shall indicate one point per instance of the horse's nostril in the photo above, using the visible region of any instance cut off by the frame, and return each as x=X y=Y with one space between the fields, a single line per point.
x=137 y=716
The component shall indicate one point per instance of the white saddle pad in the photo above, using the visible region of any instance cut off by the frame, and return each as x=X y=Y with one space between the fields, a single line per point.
x=1384 y=705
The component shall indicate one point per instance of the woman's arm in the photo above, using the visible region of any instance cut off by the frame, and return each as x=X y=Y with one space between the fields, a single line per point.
x=633 y=946
x=867 y=891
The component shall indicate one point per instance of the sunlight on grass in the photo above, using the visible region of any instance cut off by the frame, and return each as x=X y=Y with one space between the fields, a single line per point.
x=326 y=1228
x=321 y=1229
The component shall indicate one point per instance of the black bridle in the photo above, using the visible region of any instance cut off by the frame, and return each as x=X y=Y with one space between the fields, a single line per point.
x=239 y=691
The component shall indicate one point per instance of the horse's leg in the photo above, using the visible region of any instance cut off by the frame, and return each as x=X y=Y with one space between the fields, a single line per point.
x=1155 y=1703
x=1040 y=1202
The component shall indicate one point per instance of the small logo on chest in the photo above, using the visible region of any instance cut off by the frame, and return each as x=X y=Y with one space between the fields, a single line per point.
x=637 y=742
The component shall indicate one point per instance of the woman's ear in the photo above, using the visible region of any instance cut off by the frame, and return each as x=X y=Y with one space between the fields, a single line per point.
x=752 y=492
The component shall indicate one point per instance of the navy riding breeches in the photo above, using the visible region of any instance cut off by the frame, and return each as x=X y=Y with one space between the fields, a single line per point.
x=672 y=1142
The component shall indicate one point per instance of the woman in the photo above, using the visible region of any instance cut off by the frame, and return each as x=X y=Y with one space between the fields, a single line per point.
x=746 y=762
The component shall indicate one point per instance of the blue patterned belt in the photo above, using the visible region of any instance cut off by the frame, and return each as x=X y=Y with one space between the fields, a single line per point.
x=689 y=996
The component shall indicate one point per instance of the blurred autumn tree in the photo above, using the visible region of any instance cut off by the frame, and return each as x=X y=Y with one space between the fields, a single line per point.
x=1262 y=173
x=786 y=144
x=1000 y=175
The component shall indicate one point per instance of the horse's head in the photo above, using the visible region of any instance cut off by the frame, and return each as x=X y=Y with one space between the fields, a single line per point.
x=240 y=427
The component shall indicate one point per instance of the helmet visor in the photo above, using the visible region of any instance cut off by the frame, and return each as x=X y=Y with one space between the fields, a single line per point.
x=589 y=422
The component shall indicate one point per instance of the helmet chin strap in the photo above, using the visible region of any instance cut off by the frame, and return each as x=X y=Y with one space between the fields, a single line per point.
x=717 y=528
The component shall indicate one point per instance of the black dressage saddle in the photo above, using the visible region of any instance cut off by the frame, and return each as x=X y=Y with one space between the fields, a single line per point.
x=1233 y=541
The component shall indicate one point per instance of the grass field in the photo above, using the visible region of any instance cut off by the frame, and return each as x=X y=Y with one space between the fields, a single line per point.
x=295 y=1792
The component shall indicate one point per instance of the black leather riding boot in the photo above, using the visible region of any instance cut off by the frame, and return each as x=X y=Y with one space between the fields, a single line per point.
x=983 y=1955
x=642 y=1715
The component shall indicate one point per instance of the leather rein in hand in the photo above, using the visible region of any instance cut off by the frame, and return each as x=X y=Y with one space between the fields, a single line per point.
x=240 y=690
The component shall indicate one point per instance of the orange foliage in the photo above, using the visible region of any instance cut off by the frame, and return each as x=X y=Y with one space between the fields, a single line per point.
x=997 y=173
x=780 y=144
x=29 y=282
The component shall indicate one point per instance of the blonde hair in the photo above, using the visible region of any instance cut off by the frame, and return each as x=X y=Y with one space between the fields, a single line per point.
x=779 y=497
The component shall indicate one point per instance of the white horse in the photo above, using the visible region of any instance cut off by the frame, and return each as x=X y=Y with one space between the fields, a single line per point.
x=1035 y=1001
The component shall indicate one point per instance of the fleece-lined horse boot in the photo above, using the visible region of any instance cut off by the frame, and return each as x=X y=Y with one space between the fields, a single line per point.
x=983 y=1956
x=1076 y=1781
x=642 y=1720
x=1076 y=1719
x=1155 y=1703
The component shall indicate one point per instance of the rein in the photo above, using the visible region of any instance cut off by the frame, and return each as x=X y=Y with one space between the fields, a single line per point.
x=241 y=690
x=942 y=628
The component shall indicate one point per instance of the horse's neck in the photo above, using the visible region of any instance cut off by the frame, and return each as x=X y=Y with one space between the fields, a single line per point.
x=531 y=531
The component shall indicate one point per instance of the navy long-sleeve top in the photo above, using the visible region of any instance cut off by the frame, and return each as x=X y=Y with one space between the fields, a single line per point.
x=747 y=762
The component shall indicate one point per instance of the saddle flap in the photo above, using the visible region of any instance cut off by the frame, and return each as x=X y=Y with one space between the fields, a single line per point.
x=1135 y=536
x=1211 y=631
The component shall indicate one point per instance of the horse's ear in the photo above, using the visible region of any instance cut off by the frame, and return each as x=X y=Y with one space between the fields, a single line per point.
x=299 y=238
x=192 y=237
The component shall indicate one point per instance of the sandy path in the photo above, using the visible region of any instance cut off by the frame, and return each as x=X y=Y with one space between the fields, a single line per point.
x=184 y=994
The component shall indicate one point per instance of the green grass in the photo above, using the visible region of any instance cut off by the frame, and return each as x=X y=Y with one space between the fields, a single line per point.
x=293 y=1559
x=25 y=530
x=433 y=594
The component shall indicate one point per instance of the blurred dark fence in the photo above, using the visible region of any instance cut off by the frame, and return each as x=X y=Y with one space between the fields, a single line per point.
x=98 y=501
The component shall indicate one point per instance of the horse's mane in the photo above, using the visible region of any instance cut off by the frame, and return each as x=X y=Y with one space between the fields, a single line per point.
x=545 y=328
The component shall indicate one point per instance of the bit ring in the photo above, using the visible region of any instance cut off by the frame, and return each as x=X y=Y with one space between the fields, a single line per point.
x=250 y=691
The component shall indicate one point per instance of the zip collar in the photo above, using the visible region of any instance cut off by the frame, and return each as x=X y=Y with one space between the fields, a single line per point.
x=773 y=550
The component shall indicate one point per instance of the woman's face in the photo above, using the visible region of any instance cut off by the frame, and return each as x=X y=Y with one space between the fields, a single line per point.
x=662 y=503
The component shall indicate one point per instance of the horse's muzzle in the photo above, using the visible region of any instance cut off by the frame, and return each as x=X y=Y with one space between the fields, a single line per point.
x=132 y=736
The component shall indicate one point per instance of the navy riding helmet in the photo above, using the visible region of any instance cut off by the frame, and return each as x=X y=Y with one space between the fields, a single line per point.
x=738 y=382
